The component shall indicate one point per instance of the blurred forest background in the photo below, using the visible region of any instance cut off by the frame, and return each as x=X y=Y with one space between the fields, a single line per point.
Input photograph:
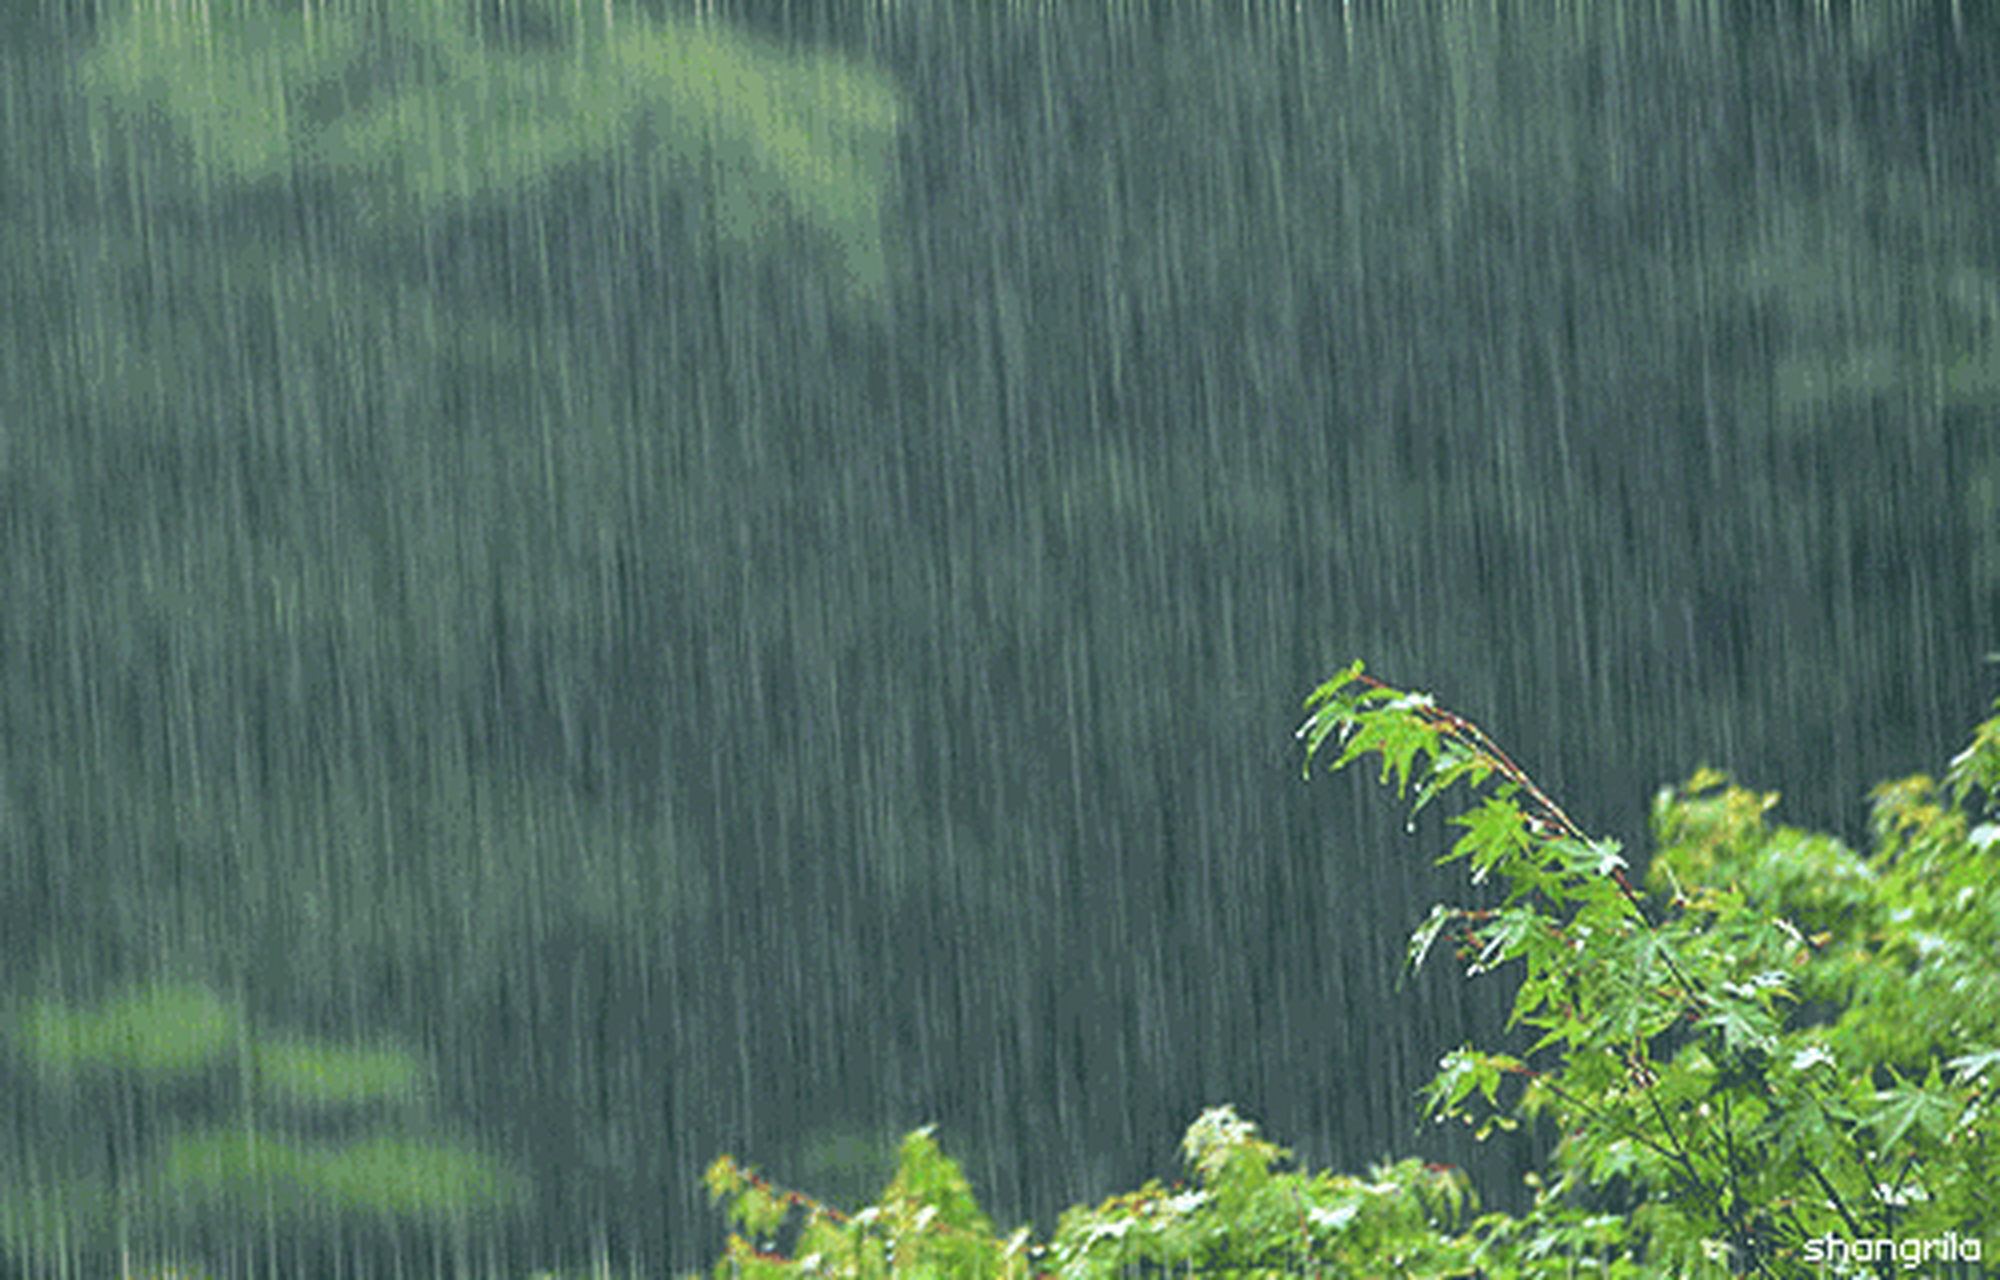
x=738 y=577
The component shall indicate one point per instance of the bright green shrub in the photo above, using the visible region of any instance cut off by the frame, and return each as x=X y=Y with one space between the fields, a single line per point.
x=1243 y=1218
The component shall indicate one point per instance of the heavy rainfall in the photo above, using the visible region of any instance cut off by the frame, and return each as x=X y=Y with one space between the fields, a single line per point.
x=590 y=586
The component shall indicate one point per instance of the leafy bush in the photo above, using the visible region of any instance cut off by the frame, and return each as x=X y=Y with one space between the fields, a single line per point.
x=1242 y=1218
x=1782 y=1053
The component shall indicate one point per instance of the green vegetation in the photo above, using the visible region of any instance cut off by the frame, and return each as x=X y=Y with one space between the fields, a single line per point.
x=421 y=114
x=164 y=1028
x=1777 y=1050
x=454 y=581
x=167 y=1052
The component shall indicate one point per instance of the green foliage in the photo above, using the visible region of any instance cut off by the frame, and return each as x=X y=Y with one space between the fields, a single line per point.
x=1681 y=1041
x=179 y=1028
x=313 y=1073
x=378 y=1176
x=1779 y=1044
x=175 y=1028
x=419 y=115
x=1242 y=1218
x=257 y=1161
